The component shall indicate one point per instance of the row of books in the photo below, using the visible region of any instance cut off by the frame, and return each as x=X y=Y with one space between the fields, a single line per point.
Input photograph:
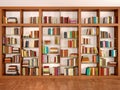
x=54 y=31
x=45 y=50
x=68 y=71
x=50 y=59
x=34 y=20
x=73 y=55
x=108 y=53
x=85 y=41
x=28 y=53
x=31 y=43
x=12 y=70
x=10 y=49
x=104 y=71
x=90 y=31
x=10 y=19
x=104 y=63
x=13 y=31
x=85 y=59
x=29 y=71
x=68 y=20
x=64 y=52
x=105 y=34
x=50 y=20
x=71 y=71
x=11 y=40
x=34 y=34
x=54 y=50
x=30 y=63
x=106 y=44
x=56 y=20
x=46 y=70
x=109 y=19
x=89 y=50
x=92 y=71
x=112 y=63
x=91 y=20
x=72 y=62
x=72 y=43
x=55 y=71
x=13 y=59
x=71 y=34
x=95 y=58
x=56 y=41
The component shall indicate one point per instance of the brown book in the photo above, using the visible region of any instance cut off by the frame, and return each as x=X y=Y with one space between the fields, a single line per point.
x=49 y=19
x=61 y=19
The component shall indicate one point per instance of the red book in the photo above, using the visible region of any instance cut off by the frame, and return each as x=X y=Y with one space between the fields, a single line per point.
x=45 y=19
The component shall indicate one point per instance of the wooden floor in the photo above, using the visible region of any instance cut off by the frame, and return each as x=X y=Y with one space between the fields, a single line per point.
x=59 y=84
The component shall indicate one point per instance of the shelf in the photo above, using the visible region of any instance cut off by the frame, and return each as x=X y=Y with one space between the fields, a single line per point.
x=11 y=53
x=84 y=25
x=102 y=25
x=12 y=63
x=12 y=44
x=67 y=66
x=51 y=63
x=106 y=57
x=7 y=25
x=68 y=57
x=50 y=53
x=69 y=47
x=31 y=47
x=61 y=25
x=90 y=53
x=107 y=47
x=89 y=35
x=12 y=35
x=89 y=63
x=51 y=44
x=70 y=38
x=30 y=57
x=32 y=38
x=107 y=25
x=88 y=44
x=51 y=35
x=24 y=25
x=30 y=67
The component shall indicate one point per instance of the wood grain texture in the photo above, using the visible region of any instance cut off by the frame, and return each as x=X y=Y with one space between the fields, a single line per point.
x=59 y=84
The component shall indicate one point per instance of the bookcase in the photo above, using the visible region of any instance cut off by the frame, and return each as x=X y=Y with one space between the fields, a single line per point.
x=59 y=41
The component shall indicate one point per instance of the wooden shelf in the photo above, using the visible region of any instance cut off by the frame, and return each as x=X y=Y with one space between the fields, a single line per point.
x=101 y=25
x=71 y=27
x=60 y=25
x=24 y=25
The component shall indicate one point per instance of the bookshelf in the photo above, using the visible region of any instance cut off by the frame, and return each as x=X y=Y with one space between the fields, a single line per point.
x=59 y=41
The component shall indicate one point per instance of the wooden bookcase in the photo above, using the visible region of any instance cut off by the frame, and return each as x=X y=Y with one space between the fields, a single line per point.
x=59 y=41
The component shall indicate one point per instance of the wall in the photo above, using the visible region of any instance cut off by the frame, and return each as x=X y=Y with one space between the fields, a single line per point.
x=59 y=2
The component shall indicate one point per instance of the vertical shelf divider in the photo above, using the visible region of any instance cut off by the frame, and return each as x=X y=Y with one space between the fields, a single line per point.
x=98 y=38
x=21 y=39
x=40 y=42
x=79 y=44
x=1 y=68
x=118 y=42
x=21 y=45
